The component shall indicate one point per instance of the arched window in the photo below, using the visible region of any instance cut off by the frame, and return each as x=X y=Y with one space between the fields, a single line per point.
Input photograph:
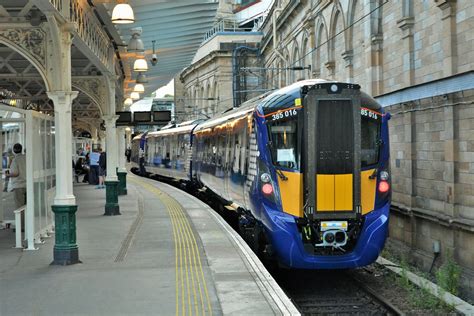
x=296 y=62
x=321 y=50
x=306 y=59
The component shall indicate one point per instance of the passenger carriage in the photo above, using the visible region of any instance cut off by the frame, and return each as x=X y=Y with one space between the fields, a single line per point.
x=305 y=167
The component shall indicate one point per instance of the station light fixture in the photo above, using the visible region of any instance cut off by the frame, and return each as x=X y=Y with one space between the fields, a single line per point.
x=123 y=14
x=139 y=88
x=141 y=78
x=140 y=65
x=135 y=45
x=128 y=102
x=135 y=96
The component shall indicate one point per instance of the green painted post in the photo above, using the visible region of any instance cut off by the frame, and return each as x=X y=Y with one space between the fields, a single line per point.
x=66 y=251
x=111 y=198
x=122 y=189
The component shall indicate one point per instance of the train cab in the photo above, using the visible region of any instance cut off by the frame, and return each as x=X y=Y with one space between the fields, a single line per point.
x=324 y=152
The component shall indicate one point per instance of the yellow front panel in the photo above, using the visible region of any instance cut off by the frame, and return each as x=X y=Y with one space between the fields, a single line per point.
x=343 y=192
x=291 y=192
x=367 y=191
x=325 y=192
x=334 y=192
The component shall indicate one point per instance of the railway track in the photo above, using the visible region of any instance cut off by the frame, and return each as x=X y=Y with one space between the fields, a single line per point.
x=326 y=292
x=333 y=293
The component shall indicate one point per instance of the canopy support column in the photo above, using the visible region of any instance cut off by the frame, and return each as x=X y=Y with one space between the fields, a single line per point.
x=111 y=181
x=122 y=170
x=65 y=249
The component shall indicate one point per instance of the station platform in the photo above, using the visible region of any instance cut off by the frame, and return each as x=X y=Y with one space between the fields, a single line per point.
x=167 y=254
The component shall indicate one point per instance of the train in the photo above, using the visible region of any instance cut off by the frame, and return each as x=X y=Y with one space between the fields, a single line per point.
x=305 y=168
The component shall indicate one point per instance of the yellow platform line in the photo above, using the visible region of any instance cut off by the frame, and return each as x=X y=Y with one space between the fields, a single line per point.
x=190 y=253
x=199 y=260
x=185 y=253
x=187 y=257
x=194 y=263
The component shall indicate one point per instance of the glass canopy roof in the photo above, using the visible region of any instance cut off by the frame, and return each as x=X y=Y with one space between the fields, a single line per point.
x=178 y=27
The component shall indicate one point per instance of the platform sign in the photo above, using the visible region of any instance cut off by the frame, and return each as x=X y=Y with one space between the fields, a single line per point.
x=161 y=116
x=125 y=118
x=142 y=117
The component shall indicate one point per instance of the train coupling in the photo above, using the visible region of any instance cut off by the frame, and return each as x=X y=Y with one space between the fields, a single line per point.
x=334 y=234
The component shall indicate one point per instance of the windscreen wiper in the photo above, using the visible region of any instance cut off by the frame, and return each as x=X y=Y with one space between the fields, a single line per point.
x=281 y=175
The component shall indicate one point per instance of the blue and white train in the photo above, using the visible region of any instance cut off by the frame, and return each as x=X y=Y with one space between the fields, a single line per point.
x=306 y=169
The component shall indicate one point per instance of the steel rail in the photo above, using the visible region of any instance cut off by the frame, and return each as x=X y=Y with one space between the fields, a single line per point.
x=392 y=309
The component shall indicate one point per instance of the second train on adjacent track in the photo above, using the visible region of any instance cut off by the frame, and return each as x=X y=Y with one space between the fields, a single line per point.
x=305 y=168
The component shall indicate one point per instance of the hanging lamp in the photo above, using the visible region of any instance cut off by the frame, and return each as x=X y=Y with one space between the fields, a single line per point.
x=134 y=95
x=135 y=45
x=139 y=88
x=123 y=14
x=140 y=65
x=128 y=102
x=141 y=78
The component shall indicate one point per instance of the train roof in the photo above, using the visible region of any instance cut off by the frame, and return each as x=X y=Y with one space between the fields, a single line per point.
x=242 y=110
x=138 y=137
x=287 y=94
x=186 y=129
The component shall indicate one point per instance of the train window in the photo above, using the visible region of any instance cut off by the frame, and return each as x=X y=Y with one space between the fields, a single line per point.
x=370 y=135
x=284 y=143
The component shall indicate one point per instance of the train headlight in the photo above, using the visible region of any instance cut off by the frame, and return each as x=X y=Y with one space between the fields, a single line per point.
x=384 y=175
x=334 y=88
x=265 y=177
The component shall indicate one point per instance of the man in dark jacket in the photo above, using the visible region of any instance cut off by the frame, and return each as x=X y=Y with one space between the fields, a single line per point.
x=102 y=170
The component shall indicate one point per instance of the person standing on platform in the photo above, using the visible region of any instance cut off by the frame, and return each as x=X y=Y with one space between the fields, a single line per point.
x=17 y=183
x=6 y=162
x=128 y=154
x=102 y=170
x=94 y=167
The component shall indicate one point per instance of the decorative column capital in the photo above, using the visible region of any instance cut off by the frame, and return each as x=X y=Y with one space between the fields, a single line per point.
x=406 y=23
x=62 y=100
x=110 y=120
x=447 y=6
x=348 y=55
x=330 y=65
x=377 y=42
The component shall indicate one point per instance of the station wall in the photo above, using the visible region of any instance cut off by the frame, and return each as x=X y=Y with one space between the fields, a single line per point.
x=432 y=166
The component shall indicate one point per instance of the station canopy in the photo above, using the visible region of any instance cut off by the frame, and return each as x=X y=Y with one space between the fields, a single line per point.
x=178 y=27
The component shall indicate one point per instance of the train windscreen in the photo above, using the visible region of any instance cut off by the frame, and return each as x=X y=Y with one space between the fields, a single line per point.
x=285 y=147
x=370 y=137
x=284 y=144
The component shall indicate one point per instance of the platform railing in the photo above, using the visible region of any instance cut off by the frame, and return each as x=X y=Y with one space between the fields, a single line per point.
x=90 y=30
x=223 y=26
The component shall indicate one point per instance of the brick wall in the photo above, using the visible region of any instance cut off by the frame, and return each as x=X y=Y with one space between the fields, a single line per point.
x=432 y=165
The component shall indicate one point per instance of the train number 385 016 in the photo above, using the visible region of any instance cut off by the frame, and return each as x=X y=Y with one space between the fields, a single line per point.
x=283 y=114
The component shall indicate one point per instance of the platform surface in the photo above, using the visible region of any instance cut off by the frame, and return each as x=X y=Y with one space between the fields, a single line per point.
x=167 y=254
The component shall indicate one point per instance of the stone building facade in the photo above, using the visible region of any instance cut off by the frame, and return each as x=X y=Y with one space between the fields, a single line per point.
x=417 y=59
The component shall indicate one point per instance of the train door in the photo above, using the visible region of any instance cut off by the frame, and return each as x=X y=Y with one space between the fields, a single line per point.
x=237 y=171
x=332 y=155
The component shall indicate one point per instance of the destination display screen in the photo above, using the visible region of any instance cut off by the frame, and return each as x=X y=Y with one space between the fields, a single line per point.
x=162 y=116
x=125 y=118
x=142 y=117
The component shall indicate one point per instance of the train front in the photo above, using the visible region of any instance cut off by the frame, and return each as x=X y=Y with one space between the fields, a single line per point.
x=323 y=175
